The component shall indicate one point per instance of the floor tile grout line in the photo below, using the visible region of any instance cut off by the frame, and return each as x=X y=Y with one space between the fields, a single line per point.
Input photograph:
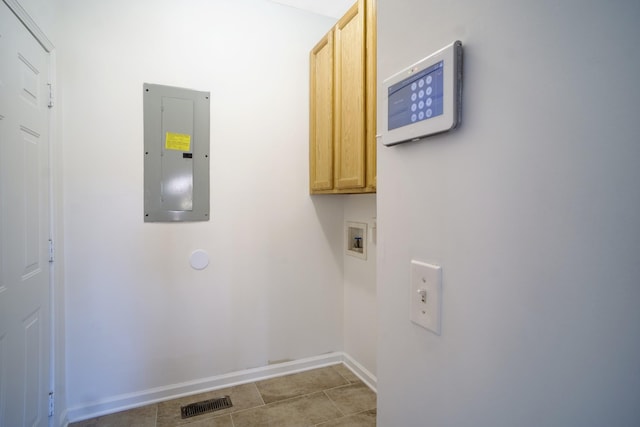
x=350 y=372
x=251 y=408
x=279 y=401
x=341 y=386
x=345 y=416
x=333 y=403
x=323 y=391
x=348 y=383
x=306 y=394
x=255 y=384
x=343 y=377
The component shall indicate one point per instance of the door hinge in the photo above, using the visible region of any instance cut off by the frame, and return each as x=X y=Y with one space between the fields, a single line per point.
x=50 y=104
x=51 y=404
x=50 y=250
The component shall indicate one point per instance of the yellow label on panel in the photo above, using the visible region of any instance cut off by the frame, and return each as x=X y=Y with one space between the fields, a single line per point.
x=178 y=141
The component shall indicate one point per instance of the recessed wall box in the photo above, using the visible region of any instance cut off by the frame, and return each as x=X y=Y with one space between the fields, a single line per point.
x=176 y=154
x=356 y=239
x=424 y=98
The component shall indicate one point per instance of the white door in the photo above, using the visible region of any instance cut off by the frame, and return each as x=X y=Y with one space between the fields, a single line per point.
x=25 y=335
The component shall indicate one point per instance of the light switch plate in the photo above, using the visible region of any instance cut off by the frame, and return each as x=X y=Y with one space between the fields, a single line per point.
x=426 y=295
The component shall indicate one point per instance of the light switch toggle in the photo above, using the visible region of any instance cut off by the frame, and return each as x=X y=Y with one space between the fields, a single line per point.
x=422 y=295
x=426 y=298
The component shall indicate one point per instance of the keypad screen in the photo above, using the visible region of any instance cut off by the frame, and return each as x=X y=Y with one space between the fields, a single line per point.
x=416 y=98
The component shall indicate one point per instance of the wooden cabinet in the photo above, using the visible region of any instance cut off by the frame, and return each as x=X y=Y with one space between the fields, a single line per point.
x=342 y=143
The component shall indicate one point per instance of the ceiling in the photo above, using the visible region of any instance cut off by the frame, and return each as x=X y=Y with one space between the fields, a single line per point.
x=332 y=8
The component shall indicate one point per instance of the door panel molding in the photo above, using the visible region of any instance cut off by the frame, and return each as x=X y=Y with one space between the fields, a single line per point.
x=31 y=25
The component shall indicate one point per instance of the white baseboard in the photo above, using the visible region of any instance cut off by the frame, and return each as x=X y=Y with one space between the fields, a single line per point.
x=361 y=372
x=62 y=419
x=174 y=391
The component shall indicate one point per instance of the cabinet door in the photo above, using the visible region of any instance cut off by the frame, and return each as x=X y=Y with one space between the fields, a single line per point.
x=321 y=115
x=349 y=126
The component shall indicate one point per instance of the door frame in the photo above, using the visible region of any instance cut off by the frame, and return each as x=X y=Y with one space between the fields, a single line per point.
x=30 y=24
x=56 y=325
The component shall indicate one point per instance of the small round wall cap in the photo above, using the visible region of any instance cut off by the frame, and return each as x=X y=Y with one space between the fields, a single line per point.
x=199 y=259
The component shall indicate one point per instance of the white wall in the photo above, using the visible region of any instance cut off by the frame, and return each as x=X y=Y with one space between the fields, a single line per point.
x=138 y=316
x=360 y=302
x=532 y=209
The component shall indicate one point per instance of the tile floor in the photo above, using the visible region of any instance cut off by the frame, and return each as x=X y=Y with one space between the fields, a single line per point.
x=325 y=397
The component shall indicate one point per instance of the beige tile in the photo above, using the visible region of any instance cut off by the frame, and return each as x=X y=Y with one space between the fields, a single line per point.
x=223 y=421
x=346 y=373
x=87 y=423
x=363 y=419
x=301 y=411
x=353 y=398
x=139 y=417
x=295 y=400
x=243 y=397
x=288 y=386
x=93 y=422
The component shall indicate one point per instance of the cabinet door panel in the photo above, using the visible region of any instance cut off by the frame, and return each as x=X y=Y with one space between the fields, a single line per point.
x=349 y=136
x=321 y=115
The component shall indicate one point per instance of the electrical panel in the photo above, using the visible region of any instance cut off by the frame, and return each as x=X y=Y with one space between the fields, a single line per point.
x=176 y=154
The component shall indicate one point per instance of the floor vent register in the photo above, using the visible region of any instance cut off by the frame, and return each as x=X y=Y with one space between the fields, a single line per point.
x=205 y=407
